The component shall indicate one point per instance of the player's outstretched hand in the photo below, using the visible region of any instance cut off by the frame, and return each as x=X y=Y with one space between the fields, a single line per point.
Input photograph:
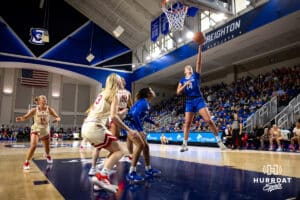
x=19 y=119
x=57 y=119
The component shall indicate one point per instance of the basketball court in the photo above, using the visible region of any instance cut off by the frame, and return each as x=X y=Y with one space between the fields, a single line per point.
x=201 y=172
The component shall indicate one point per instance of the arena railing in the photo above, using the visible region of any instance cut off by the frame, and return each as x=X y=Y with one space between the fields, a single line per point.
x=287 y=117
x=262 y=116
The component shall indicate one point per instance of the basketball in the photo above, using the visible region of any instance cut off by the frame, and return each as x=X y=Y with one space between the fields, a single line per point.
x=199 y=38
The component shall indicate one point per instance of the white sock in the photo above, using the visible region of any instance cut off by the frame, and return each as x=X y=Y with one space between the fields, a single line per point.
x=148 y=167
x=185 y=142
x=132 y=169
x=105 y=171
x=218 y=139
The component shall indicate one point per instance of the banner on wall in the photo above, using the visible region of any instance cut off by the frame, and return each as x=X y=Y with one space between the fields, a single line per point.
x=164 y=24
x=225 y=33
x=39 y=36
x=155 y=29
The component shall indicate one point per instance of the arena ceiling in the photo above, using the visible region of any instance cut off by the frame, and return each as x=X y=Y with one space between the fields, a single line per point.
x=72 y=35
x=77 y=27
x=72 y=21
x=280 y=38
x=274 y=42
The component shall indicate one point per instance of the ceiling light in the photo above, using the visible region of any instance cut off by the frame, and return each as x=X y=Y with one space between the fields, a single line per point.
x=7 y=91
x=90 y=57
x=118 y=31
x=219 y=17
x=55 y=94
x=189 y=34
x=156 y=53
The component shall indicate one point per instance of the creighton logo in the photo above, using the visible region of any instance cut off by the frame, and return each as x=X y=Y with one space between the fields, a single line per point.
x=272 y=169
x=38 y=36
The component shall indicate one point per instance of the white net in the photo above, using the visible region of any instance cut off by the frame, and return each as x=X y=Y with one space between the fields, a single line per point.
x=176 y=18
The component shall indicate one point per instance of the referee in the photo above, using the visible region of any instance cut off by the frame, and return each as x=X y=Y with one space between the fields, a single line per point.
x=236 y=128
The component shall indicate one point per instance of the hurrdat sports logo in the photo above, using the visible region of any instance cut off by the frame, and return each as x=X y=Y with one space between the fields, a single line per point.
x=272 y=179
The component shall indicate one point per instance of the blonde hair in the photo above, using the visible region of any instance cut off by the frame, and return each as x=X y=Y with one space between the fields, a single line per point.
x=38 y=98
x=188 y=67
x=112 y=85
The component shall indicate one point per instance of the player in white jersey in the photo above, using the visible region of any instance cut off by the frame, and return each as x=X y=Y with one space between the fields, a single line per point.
x=125 y=102
x=40 y=128
x=296 y=136
x=95 y=131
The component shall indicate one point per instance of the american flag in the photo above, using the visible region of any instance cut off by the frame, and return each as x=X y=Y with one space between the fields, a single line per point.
x=35 y=78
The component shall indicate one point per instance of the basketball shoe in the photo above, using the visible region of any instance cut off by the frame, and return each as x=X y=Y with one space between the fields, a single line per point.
x=102 y=182
x=152 y=172
x=133 y=177
x=183 y=148
x=49 y=159
x=221 y=145
x=26 y=166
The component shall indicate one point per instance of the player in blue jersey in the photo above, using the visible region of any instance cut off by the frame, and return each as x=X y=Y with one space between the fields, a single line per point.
x=137 y=115
x=195 y=102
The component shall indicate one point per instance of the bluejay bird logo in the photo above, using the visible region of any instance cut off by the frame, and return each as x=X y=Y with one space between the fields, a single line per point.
x=199 y=137
x=37 y=36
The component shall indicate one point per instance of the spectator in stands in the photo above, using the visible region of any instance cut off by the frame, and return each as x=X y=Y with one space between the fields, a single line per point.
x=275 y=134
x=296 y=136
x=226 y=136
x=258 y=133
x=236 y=132
x=14 y=134
x=265 y=137
x=163 y=139
x=245 y=97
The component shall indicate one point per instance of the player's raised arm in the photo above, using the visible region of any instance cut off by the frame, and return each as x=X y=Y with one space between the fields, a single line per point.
x=199 y=60
x=28 y=115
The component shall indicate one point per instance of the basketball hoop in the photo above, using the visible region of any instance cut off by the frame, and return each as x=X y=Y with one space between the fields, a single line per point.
x=176 y=13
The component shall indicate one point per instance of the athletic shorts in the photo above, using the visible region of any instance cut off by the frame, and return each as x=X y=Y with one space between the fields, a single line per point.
x=43 y=133
x=129 y=121
x=98 y=135
x=194 y=104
